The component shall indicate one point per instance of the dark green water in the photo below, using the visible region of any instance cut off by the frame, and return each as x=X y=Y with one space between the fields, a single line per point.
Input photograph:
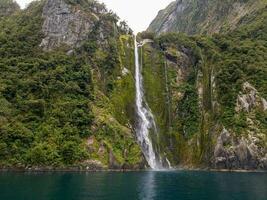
x=178 y=185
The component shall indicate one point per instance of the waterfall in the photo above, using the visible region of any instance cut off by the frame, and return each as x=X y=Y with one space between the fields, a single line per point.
x=146 y=120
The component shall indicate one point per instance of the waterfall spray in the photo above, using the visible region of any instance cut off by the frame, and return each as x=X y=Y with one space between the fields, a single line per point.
x=146 y=120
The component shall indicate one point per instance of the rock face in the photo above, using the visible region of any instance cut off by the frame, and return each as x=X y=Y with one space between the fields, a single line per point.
x=246 y=151
x=203 y=16
x=264 y=104
x=65 y=24
x=8 y=7
x=239 y=153
x=249 y=98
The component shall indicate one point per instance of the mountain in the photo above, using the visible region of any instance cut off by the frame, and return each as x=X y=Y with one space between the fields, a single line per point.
x=209 y=92
x=203 y=16
x=67 y=94
x=68 y=99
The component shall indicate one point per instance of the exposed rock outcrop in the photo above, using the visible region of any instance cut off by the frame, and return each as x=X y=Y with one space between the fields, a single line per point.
x=249 y=98
x=248 y=150
x=65 y=24
x=264 y=104
x=203 y=16
x=239 y=153
x=113 y=163
x=92 y=165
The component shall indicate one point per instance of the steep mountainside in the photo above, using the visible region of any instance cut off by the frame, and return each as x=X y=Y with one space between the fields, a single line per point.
x=203 y=16
x=66 y=88
x=209 y=95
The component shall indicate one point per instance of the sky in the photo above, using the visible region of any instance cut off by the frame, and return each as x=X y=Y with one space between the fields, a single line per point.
x=138 y=13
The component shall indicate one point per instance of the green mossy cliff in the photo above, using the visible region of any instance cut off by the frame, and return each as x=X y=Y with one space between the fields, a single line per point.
x=209 y=95
x=67 y=91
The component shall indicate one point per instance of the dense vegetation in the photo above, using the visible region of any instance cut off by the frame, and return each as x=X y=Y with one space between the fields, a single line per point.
x=63 y=109
x=220 y=65
x=236 y=58
x=49 y=100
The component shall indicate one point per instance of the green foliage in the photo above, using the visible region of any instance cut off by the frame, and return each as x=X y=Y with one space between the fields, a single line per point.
x=46 y=98
x=242 y=57
x=188 y=111
x=51 y=102
x=220 y=65
x=43 y=154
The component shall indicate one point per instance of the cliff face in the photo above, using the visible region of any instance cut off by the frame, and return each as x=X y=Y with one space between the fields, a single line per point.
x=248 y=150
x=203 y=16
x=213 y=95
x=8 y=7
x=67 y=88
x=197 y=126
x=66 y=24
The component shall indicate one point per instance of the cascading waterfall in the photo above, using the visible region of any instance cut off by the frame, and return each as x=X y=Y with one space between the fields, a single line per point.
x=146 y=120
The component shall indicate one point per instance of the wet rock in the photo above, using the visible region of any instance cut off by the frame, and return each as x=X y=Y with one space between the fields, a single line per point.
x=238 y=153
x=145 y=41
x=113 y=163
x=242 y=153
x=264 y=104
x=220 y=152
x=221 y=162
x=92 y=165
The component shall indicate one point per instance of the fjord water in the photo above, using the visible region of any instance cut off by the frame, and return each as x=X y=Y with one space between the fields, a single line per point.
x=145 y=117
x=150 y=185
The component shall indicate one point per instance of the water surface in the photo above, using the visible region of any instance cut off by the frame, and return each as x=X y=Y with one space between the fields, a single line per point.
x=174 y=185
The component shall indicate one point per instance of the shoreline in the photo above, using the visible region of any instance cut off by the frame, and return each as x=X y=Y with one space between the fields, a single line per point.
x=74 y=170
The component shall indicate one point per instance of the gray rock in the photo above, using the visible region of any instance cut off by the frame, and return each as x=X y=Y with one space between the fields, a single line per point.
x=240 y=153
x=113 y=163
x=221 y=162
x=125 y=71
x=263 y=163
x=247 y=101
x=92 y=165
x=64 y=24
x=264 y=104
